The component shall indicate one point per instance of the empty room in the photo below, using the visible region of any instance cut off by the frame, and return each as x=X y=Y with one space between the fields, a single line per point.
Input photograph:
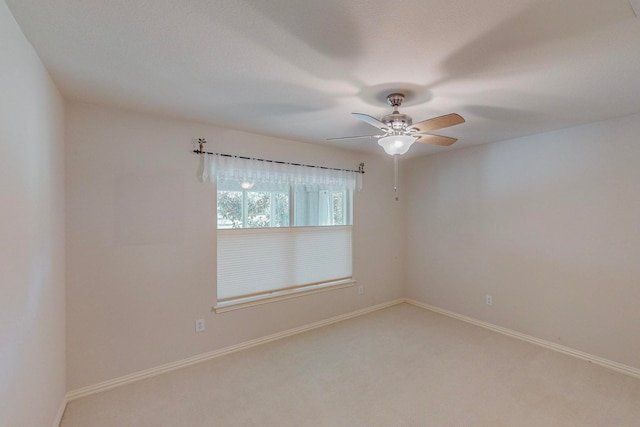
x=305 y=213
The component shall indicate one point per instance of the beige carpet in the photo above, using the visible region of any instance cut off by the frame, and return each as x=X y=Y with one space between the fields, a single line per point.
x=401 y=366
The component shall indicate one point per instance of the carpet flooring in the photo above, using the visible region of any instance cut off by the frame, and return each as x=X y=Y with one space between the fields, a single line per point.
x=400 y=366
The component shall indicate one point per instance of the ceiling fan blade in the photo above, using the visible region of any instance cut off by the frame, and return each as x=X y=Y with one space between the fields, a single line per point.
x=444 y=141
x=354 y=137
x=372 y=121
x=437 y=123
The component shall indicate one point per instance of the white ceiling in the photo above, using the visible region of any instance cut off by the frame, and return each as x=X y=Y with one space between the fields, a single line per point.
x=296 y=69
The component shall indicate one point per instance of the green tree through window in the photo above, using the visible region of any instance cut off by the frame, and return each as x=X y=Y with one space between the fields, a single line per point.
x=253 y=209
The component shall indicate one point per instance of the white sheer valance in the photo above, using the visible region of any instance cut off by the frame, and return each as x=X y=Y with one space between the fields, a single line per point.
x=225 y=169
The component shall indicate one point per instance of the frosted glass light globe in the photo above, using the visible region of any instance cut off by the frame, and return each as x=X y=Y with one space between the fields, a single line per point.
x=396 y=144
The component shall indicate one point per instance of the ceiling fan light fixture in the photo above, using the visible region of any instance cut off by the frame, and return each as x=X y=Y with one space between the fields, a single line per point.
x=396 y=144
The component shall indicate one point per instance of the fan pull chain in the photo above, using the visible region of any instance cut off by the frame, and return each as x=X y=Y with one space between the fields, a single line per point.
x=395 y=174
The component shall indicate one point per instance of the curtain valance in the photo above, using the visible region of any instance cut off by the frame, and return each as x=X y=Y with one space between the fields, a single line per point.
x=232 y=169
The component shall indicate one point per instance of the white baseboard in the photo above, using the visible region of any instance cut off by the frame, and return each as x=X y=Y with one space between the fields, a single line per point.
x=58 y=419
x=619 y=367
x=137 y=376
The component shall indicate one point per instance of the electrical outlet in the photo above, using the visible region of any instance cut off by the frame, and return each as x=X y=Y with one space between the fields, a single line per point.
x=488 y=299
x=361 y=289
x=200 y=325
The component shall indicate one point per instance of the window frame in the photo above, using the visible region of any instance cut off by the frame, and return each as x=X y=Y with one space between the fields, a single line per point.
x=245 y=208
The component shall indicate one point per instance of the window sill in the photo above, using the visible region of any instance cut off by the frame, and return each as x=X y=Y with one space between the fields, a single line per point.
x=279 y=296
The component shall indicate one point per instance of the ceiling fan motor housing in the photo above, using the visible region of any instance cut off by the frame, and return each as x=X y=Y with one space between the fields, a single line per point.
x=395 y=121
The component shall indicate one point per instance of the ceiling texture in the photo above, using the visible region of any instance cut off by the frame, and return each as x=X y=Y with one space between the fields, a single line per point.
x=296 y=69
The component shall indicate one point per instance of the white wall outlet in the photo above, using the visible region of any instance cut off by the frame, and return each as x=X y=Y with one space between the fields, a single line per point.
x=200 y=325
x=361 y=289
x=488 y=299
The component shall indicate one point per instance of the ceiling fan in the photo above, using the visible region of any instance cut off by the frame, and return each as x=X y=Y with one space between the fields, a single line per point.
x=399 y=132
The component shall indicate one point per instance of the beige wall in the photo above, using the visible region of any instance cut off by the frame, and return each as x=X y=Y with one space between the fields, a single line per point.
x=549 y=225
x=32 y=301
x=136 y=285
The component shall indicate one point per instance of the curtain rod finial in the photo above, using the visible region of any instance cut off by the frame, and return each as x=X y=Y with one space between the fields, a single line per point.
x=201 y=142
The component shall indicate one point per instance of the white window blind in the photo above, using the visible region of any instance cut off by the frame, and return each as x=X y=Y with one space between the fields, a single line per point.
x=263 y=261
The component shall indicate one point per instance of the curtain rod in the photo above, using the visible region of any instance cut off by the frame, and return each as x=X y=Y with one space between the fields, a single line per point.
x=202 y=141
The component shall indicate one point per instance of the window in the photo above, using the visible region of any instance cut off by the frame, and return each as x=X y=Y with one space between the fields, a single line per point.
x=267 y=205
x=281 y=231
x=263 y=206
x=322 y=207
